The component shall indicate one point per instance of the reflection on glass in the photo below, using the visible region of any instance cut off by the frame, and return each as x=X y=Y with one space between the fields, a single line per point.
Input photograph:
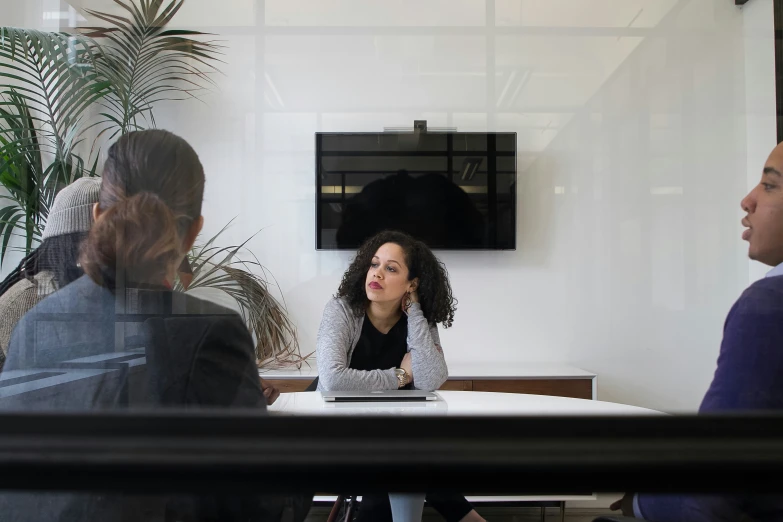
x=118 y=338
x=359 y=13
x=596 y=13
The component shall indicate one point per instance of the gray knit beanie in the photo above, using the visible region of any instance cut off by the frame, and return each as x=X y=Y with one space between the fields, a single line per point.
x=72 y=208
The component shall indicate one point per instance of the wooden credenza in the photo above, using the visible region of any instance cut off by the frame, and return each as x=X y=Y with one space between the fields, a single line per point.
x=533 y=378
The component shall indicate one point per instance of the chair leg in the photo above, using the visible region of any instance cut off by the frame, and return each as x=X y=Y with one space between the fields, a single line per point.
x=543 y=513
x=562 y=511
x=338 y=504
x=349 y=511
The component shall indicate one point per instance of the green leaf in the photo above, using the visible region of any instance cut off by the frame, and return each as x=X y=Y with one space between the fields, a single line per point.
x=228 y=270
x=6 y=229
x=136 y=56
x=51 y=81
x=56 y=82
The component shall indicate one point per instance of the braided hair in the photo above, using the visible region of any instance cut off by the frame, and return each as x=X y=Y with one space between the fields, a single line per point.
x=58 y=254
x=25 y=266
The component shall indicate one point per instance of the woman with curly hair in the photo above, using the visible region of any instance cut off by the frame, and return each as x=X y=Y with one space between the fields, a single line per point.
x=380 y=333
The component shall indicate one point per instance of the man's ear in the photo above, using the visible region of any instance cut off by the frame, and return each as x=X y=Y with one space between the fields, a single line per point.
x=96 y=212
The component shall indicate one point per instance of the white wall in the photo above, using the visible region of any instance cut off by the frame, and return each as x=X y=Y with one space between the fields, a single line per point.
x=760 y=107
x=635 y=120
x=648 y=249
x=28 y=13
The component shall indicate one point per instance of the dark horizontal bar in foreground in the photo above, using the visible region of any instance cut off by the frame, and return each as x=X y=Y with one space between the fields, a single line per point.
x=232 y=452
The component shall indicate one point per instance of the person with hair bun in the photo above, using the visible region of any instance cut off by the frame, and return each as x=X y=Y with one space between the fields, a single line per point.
x=198 y=354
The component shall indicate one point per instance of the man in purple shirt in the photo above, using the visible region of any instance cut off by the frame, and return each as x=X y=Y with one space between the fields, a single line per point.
x=749 y=376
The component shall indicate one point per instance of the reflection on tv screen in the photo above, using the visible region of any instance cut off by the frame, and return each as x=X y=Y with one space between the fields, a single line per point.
x=451 y=190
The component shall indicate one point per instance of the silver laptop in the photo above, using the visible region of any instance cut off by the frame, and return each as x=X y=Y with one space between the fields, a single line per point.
x=380 y=396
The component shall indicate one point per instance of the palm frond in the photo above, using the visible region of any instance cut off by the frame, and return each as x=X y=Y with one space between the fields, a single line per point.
x=144 y=63
x=47 y=85
x=21 y=173
x=277 y=342
x=55 y=86
x=52 y=73
x=225 y=269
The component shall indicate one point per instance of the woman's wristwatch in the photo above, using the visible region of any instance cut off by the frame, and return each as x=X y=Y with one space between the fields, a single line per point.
x=402 y=377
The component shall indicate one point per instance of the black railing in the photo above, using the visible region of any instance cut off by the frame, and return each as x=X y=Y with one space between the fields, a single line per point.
x=242 y=451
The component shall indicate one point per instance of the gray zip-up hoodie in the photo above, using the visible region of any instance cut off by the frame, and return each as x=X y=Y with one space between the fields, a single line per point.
x=339 y=334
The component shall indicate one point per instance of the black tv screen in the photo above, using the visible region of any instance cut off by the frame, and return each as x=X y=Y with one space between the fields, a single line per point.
x=452 y=190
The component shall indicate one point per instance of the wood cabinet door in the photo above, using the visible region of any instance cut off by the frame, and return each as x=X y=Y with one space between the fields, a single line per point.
x=574 y=388
x=457 y=386
x=289 y=385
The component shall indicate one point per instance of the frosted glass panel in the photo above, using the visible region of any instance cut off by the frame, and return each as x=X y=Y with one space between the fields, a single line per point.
x=640 y=124
x=330 y=73
x=574 y=13
x=359 y=13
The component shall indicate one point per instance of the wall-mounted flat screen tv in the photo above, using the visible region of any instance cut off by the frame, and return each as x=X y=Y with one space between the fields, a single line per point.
x=452 y=190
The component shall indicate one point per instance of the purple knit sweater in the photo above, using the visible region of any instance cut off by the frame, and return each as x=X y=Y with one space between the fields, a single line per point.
x=749 y=378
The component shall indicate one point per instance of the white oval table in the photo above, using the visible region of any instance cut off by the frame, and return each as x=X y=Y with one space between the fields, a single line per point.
x=456 y=403
x=464 y=403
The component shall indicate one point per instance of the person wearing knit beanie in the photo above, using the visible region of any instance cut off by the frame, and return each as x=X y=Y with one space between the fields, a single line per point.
x=72 y=208
x=54 y=263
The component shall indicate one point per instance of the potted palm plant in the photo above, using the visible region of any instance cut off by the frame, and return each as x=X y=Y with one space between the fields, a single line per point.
x=233 y=270
x=58 y=88
x=48 y=84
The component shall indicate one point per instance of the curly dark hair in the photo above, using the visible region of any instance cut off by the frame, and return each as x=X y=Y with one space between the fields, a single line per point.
x=434 y=290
